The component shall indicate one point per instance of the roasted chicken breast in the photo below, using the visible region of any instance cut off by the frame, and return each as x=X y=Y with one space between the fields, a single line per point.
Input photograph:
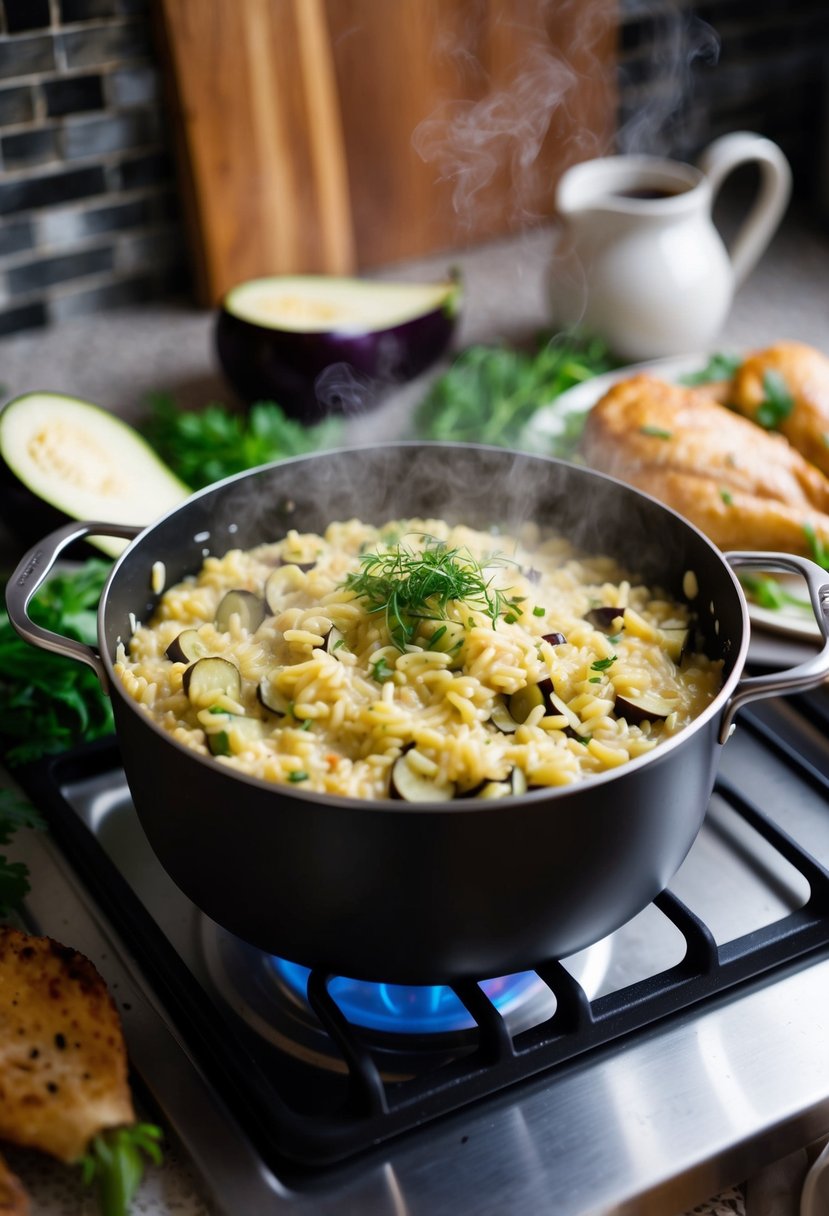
x=63 y=1063
x=786 y=387
x=745 y=487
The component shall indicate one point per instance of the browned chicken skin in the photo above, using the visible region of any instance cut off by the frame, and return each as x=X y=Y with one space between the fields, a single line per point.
x=745 y=487
x=804 y=374
x=63 y=1063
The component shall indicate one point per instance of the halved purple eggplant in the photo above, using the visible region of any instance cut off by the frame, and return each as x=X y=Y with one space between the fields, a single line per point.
x=319 y=345
x=526 y=699
x=554 y=639
x=676 y=642
x=270 y=696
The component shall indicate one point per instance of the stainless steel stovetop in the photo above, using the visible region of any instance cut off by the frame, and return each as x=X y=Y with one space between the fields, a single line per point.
x=673 y=1060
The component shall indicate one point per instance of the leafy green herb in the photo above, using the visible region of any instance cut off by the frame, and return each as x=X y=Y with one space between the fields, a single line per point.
x=412 y=585
x=768 y=593
x=115 y=1164
x=14 y=876
x=817 y=549
x=603 y=664
x=777 y=403
x=47 y=701
x=727 y=497
x=381 y=670
x=594 y=680
x=206 y=445
x=297 y=775
x=719 y=367
x=491 y=393
x=539 y=611
x=657 y=432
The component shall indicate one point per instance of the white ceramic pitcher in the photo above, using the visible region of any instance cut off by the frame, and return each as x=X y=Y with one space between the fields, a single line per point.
x=641 y=263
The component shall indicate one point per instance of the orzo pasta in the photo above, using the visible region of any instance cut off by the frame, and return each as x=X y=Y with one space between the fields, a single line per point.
x=312 y=662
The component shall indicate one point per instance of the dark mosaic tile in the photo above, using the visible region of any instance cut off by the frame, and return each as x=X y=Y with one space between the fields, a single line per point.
x=86 y=10
x=16 y=236
x=137 y=289
x=48 y=190
x=29 y=148
x=16 y=105
x=148 y=169
x=98 y=136
x=73 y=95
x=46 y=272
x=28 y=316
x=64 y=227
x=107 y=44
x=23 y=56
x=27 y=15
x=134 y=86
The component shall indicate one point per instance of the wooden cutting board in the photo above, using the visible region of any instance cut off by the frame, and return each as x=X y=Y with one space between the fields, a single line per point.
x=331 y=136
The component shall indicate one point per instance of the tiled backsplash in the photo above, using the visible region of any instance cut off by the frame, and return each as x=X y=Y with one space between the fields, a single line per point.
x=88 y=207
x=88 y=210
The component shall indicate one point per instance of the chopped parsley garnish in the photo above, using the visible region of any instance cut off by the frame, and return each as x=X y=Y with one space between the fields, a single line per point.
x=410 y=585
x=381 y=670
x=718 y=367
x=817 y=549
x=603 y=664
x=297 y=775
x=539 y=611
x=777 y=403
x=595 y=680
x=114 y=1163
x=657 y=432
x=727 y=497
x=768 y=593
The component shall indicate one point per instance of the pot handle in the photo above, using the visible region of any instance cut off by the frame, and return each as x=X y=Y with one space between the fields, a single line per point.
x=807 y=674
x=32 y=571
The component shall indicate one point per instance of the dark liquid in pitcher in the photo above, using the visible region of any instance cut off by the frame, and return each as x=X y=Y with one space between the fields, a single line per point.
x=647 y=192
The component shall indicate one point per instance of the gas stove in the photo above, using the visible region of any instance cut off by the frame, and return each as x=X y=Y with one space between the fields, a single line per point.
x=651 y=1071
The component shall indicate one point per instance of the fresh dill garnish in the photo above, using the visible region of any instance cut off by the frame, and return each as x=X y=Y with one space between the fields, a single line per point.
x=411 y=585
x=719 y=367
x=381 y=670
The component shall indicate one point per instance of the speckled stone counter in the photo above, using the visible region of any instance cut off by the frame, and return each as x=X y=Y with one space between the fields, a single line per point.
x=119 y=358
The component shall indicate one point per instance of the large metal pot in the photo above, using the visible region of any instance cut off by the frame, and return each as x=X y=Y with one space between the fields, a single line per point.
x=423 y=893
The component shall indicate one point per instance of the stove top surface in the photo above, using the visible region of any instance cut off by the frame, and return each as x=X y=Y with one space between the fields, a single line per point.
x=645 y=1074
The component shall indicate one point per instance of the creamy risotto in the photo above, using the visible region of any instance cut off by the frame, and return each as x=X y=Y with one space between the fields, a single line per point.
x=417 y=660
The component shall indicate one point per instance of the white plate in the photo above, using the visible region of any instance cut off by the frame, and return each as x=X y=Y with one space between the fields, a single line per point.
x=550 y=422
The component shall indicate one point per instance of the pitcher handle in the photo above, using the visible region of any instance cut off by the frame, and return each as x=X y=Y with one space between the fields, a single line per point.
x=32 y=571
x=723 y=156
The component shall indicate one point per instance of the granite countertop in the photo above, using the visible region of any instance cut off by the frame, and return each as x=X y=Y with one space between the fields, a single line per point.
x=117 y=359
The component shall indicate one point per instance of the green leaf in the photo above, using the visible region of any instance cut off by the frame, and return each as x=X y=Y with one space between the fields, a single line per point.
x=14 y=885
x=817 y=549
x=491 y=393
x=115 y=1163
x=777 y=403
x=206 y=445
x=719 y=367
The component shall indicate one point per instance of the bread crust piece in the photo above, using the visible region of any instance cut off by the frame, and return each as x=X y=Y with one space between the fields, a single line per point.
x=63 y=1062
x=743 y=486
x=13 y=1198
x=805 y=373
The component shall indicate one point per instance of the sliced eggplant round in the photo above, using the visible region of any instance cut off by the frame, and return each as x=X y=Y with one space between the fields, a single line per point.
x=314 y=343
x=247 y=605
x=676 y=642
x=648 y=706
x=554 y=639
x=607 y=619
x=270 y=696
x=334 y=641
x=512 y=787
x=528 y=698
x=283 y=583
x=63 y=458
x=502 y=719
x=187 y=647
x=237 y=735
x=207 y=679
x=408 y=783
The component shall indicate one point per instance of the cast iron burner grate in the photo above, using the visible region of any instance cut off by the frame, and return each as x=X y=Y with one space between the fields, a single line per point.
x=298 y=1118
